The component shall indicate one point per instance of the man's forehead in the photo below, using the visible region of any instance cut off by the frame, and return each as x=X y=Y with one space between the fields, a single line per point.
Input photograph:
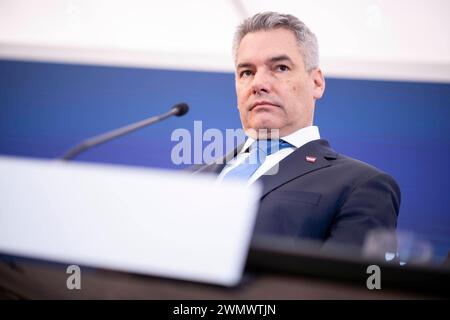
x=265 y=45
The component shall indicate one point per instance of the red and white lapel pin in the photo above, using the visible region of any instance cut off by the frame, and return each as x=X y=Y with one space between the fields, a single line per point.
x=311 y=159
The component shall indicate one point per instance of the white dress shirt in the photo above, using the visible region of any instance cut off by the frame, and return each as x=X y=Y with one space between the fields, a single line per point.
x=296 y=139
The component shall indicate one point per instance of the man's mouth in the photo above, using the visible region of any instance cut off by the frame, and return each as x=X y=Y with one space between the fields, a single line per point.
x=262 y=103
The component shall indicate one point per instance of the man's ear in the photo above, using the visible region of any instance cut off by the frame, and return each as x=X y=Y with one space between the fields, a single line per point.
x=318 y=83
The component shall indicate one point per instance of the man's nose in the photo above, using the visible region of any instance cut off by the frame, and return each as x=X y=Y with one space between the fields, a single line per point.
x=261 y=82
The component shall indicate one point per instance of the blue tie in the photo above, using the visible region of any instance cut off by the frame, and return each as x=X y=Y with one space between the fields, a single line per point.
x=258 y=152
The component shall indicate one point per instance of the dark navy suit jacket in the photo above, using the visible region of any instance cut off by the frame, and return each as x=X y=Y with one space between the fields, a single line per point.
x=335 y=199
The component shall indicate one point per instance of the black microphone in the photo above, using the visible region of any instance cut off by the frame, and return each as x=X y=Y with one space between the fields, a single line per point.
x=178 y=110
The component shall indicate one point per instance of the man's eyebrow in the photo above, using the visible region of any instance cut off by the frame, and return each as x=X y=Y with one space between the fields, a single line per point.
x=244 y=65
x=279 y=58
x=282 y=57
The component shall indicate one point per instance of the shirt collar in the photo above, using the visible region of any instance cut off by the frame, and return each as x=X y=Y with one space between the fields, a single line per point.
x=297 y=138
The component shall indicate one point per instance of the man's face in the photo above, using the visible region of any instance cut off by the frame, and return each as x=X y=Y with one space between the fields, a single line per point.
x=273 y=89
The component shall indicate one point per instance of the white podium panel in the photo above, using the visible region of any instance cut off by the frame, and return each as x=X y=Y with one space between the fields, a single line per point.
x=154 y=222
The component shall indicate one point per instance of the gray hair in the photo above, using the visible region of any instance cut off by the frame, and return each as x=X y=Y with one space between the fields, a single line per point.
x=307 y=41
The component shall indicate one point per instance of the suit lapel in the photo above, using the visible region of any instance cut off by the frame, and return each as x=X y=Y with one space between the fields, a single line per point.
x=296 y=164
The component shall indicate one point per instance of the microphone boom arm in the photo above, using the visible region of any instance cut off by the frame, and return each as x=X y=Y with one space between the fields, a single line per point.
x=107 y=136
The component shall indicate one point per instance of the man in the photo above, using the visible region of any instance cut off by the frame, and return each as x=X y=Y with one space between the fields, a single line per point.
x=315 y=193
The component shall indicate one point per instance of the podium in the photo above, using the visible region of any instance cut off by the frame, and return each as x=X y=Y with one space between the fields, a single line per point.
x=33 y=279
x=148 y=234
x=147 y=221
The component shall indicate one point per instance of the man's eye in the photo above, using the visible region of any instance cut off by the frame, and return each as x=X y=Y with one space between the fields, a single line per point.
x=245 y=73
x=282 y=68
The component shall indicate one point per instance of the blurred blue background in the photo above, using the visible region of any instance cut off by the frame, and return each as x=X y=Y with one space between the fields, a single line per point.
x=401 y=127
